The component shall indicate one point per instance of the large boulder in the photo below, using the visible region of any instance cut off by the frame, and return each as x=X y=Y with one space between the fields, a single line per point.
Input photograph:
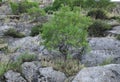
x=52 y=75
x=12 y=76
x=102 y=49
x=30 y=71
x=108 y=73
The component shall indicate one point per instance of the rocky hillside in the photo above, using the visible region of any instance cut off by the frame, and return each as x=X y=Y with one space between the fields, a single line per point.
x=23 y=57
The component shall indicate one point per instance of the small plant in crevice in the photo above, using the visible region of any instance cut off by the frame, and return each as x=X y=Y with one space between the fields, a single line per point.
x=107 y=61
x=5 y=66
x=13 y=33
x=118 y=37
x=25 y=57
x=98 y=28
x=36 y=30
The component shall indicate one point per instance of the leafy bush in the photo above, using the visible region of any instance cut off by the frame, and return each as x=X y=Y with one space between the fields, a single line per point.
x=67 y=28
x=98 y=28
x=99 y=4
x=23 y=6
x=36 y=30
x=12 y=32
x=97 y=14
x=49 y=9
x=57 y=4
x=70 y=67
x=36 y=12
x=15 y=8
x=104 y=4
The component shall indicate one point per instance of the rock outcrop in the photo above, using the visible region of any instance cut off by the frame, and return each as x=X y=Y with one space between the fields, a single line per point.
x=108 y=73
x=102 y=49
x=12 y=76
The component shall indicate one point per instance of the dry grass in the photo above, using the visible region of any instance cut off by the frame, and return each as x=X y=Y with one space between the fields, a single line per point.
x=70 y=67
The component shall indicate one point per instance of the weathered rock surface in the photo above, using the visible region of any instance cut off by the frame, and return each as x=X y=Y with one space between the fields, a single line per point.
x=5 y=9
x=108 y=73
x=12 y=76
x=30 y=71
x=102 y=49
x=33 y=73
x=4 y=29
x=26 y=44
x=115 y=31
x=52 y=75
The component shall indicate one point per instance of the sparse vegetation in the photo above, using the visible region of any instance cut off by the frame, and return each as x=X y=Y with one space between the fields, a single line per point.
x=97 y=14
x=36 y=30
x=118 y=37
x=107 y=61
x=116 y=18
x=13 y=33
x=25 y=57
x=70 y=67
x=16 y=66
x=15 y=8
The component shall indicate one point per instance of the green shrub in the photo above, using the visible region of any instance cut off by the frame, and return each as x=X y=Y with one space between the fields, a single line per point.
x=66 y=28
x=15 y=8
x=13 y=33
x=48 y=9
x=36 y=30
x=25 y=5
x=36 y=12
x=99 y=4
x=22 y=6
x=97 y=14
x=98 y=28
x=4 y=67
